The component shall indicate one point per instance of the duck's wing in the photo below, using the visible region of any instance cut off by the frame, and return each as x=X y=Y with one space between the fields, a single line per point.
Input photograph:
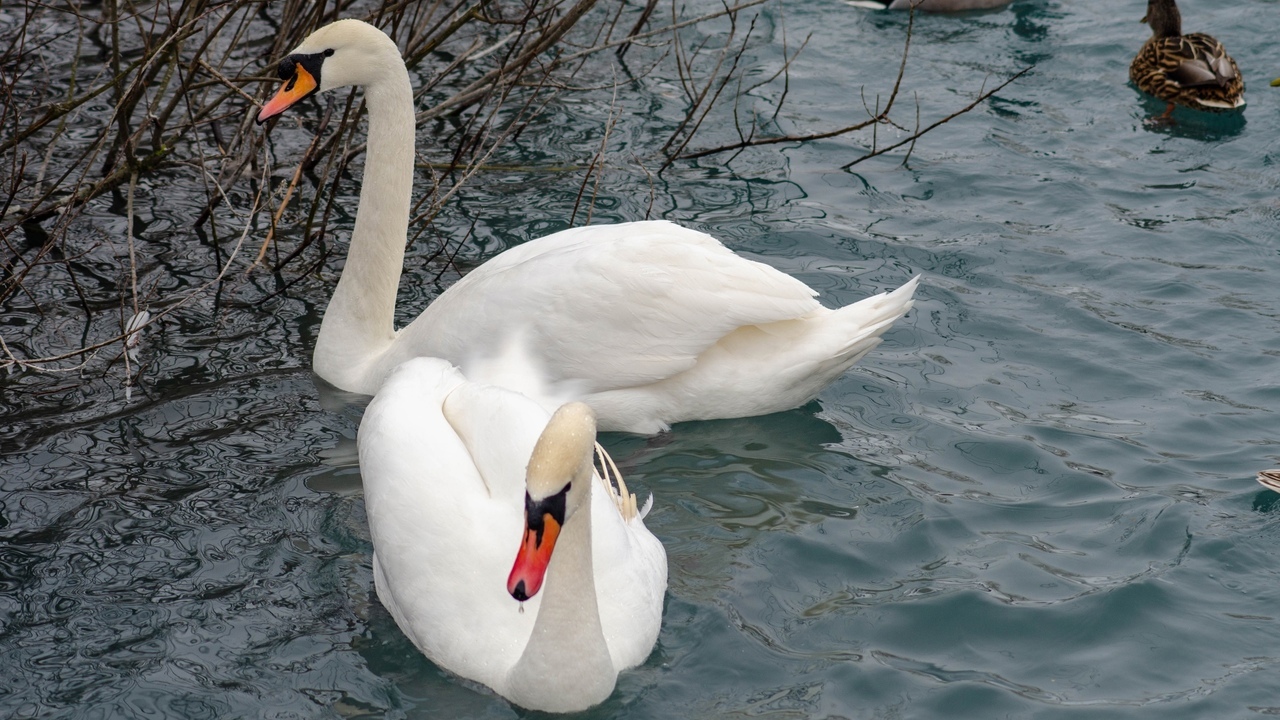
x=1193 y=69
x=1201 y=61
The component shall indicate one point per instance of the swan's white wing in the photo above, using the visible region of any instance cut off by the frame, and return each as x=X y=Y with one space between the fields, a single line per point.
x=607 y=306
x=631 y=581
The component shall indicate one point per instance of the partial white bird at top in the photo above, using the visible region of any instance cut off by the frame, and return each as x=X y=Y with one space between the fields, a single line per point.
x=649 y=323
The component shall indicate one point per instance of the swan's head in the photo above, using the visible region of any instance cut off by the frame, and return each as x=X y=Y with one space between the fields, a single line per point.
x=342 y=53
x=557 y=483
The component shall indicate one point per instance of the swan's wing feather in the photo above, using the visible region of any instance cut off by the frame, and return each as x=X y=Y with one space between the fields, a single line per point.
x=443 y=543
x=611 y=306
x=404 y=436
x=631 y=581
x=499 y=428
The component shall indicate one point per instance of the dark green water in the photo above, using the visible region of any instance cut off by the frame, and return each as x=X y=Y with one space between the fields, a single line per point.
x=1035 y=500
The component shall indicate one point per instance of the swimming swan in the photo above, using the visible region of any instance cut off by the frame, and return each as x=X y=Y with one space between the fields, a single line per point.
x=928 y=5
x=449 y=503
x=648 y=323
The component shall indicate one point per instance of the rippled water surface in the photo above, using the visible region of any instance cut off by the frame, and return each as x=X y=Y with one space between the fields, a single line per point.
x=1036 y=499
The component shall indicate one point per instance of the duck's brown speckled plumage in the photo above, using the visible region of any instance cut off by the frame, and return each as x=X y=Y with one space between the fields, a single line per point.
x=1190 y=70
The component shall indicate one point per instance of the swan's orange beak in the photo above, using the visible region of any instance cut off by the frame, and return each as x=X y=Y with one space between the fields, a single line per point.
x=530 y=568
x=543 y=520
x=299 y=86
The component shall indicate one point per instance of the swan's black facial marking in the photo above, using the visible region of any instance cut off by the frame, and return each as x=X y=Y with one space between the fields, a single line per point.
x=312 y=63
x=535 y=511
x=544 y=519
x=520 y=594
x=301 y=75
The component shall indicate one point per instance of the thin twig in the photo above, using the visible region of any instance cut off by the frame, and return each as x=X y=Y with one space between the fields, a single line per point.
x=915 y=136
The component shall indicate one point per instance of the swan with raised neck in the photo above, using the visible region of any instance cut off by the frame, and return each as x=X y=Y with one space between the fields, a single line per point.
x=359 y=326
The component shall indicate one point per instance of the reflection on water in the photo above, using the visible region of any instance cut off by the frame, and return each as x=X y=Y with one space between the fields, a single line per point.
x=1189 y=124
x=1035 y=499
x=1267 y=501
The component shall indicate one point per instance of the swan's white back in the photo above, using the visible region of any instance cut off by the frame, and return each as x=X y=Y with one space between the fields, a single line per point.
x=649 y=323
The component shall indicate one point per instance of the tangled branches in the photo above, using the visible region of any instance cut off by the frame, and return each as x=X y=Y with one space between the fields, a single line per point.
x=158 y=94
x=105 y=107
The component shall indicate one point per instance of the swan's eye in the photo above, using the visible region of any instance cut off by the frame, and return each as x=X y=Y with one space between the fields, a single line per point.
x=329 y=52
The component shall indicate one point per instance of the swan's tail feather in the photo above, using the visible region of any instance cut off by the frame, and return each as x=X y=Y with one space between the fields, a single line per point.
x=893 y=304
x=873 y=316
x=648 y=505
x=611 y=476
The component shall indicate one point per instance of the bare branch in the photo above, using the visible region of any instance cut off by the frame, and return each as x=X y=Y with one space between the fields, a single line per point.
x=916 y=135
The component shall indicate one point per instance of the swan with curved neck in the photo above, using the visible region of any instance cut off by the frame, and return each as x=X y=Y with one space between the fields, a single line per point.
x=649 y=323
x=461 y=477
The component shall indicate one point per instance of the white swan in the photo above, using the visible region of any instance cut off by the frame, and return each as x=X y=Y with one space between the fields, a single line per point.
x=928 y=5
x=648 y=323
x=443 y=464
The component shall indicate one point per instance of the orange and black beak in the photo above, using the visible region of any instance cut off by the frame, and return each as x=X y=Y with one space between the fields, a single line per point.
x=301 y=74
x=543 y=520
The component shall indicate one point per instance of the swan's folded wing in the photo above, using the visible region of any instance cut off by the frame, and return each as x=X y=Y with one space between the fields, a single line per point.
x=631 y=582
x=407 y=445
x=611 y=306
x=444 y=545
x=499 y=428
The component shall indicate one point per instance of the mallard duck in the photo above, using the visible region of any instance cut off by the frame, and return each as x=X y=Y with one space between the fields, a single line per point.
x=1190 y=70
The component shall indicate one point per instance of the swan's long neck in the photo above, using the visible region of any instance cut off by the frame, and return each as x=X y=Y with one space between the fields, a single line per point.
x=566 y=665
x=359 y=323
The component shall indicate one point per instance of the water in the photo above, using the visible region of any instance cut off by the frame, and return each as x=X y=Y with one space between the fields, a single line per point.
x=1036 y=499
